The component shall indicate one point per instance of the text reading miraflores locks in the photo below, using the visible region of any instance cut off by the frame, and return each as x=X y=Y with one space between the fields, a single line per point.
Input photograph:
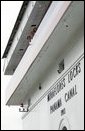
x=58 y=87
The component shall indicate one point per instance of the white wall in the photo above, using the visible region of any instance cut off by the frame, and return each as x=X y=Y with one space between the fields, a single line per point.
x=40 y=118
x=10 y=116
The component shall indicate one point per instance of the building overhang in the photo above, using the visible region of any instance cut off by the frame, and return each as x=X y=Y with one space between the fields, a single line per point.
x=27 y=23
x=57 y=28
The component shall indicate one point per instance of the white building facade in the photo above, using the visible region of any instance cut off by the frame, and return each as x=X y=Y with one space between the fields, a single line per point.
x=45 y=55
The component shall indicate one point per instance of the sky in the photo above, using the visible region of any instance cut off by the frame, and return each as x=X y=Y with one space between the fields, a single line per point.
x=10 y=116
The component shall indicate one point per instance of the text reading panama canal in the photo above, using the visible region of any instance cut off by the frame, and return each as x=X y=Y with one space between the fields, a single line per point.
x=59 y=86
